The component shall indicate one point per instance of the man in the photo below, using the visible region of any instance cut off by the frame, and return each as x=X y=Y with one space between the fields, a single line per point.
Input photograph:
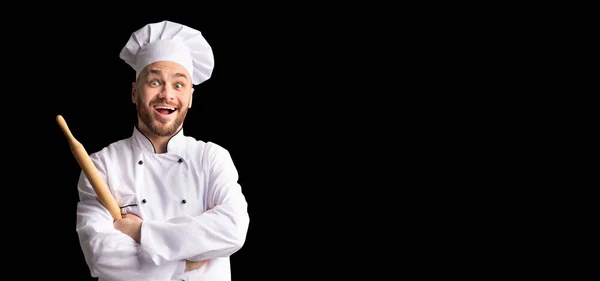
x=183 y=211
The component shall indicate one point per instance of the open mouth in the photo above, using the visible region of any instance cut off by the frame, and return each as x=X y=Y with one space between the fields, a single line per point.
x=165 y=110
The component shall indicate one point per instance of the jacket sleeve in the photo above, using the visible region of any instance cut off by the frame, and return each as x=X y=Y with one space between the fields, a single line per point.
x=219 y=232
x=109 y=253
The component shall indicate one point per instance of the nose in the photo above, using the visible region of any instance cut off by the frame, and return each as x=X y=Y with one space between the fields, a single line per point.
x=167 y=93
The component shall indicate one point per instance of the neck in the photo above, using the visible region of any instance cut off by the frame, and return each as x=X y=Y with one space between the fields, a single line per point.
x=159 y=142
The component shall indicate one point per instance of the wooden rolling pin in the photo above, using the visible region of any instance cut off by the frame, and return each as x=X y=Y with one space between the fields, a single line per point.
x=90 y=171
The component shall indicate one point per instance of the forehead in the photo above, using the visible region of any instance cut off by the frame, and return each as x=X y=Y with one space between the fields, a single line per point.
x=166 y=69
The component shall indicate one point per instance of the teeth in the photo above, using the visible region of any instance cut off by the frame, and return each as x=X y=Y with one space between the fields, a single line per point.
x=164 y=107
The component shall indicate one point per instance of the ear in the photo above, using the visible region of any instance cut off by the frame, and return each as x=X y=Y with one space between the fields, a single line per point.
x=133 y=92
x=191 y=97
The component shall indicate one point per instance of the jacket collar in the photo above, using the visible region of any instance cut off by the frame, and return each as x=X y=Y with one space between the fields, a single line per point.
x=142 y=142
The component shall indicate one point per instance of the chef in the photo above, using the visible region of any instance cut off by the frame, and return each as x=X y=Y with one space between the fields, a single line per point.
x=183 y=210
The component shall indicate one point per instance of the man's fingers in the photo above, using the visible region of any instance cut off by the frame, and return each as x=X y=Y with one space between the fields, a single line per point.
x=193 y=265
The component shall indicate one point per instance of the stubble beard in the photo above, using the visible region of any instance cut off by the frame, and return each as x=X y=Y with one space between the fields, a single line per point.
x=157 y=126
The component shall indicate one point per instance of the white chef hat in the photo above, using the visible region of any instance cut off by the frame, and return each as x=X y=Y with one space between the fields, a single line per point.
x=170 y=41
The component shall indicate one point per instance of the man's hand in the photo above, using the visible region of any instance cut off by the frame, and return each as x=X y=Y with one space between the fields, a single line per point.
x=131 y=225
x=193 y=265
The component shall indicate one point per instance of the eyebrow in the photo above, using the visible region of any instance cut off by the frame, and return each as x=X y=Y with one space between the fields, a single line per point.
x=158 y=72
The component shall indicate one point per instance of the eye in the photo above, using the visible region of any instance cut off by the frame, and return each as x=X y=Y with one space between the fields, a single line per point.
x=178 y=85
x=154 y=83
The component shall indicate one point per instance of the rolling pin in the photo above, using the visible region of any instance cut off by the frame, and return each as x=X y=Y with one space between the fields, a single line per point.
x=90 y=171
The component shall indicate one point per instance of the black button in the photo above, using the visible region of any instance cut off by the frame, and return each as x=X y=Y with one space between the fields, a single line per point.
x=183 y=201
x=143 y=200
x=180 y=160
x=140 y=162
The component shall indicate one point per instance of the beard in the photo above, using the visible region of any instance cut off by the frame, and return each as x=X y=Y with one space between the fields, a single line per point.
x=157 y=126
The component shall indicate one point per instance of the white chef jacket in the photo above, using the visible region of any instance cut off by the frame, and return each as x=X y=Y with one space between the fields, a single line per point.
x=172 y=193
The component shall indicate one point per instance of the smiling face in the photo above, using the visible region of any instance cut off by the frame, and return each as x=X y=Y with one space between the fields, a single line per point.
x=162 y=95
